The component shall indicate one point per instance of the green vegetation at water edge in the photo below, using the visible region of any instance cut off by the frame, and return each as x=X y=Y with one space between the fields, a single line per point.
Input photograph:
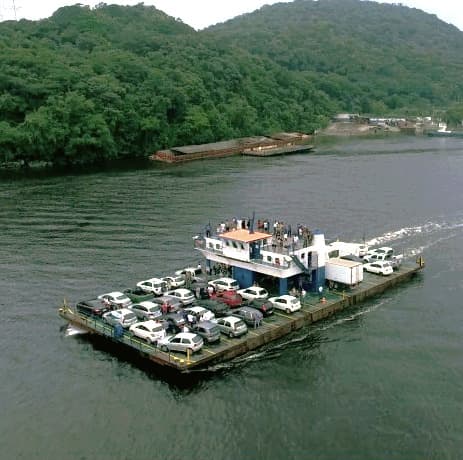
x=90 y=85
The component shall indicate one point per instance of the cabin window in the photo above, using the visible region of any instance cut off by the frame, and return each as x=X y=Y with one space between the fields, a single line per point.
x=242 y=246
x=235 y=245
x=211 y=246
x=269 y=258
x=217 y=246
x=303 y=255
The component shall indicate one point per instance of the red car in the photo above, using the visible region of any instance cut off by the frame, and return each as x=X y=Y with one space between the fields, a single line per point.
x=231 y=298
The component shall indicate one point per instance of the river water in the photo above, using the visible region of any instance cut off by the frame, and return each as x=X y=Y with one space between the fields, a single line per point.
x=381 y=381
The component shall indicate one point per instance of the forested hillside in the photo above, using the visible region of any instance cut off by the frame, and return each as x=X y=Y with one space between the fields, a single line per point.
x=115 y=82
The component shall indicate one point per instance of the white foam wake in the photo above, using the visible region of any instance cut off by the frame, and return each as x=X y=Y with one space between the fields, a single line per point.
x=74 y=330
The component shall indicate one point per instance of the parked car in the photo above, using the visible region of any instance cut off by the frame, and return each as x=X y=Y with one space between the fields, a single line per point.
x=218 y=308
x=194 y=273
x=174 y=281
x=154 y=285
x=184 y=295
x=137 y=295
x=253 y=292
x=394 y=261
x=174 y=322
x=286 y=302
x=251 y=316
x=94 y=307
x=200 y=313
x=151 y=331
x=383 y=250
x=231 y=298
x=173 y=302
x=380 y=268
x=183 y=341
x=232 y=326
x=264 y=306
x=124 y=317
x=116 y=299
x=224 y=284
x=208 y=330
x=146 y=310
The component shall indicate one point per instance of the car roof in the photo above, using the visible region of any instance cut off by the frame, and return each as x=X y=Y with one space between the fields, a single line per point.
x=182 y=291
x=285 y=296
x=115 y=294
x=231 y=319
x=94 y=303
x=150 y=323
x=147 y=303
x=225 y=279
x=185 y=335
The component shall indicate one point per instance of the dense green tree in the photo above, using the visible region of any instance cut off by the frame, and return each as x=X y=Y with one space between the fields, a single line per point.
x=87 y=85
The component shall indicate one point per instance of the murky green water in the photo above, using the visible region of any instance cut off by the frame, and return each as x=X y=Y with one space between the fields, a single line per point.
x=379 y=381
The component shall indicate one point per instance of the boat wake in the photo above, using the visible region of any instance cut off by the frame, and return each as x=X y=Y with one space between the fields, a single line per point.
x=312 y=336
x=73 y=330
x=427 y=235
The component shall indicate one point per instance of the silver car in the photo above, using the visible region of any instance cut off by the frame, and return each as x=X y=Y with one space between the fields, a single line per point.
x=182 y=342
x=232 y=326
x=124 y=317
x=146 y=310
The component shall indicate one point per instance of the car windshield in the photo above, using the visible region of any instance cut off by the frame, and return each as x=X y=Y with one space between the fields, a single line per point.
x=154 y=309
x=196 y=339
x=294 y=301
x=157 y=328
x=214 y=330
x=234 y=285
x=239 y=324
x=121 y=297
x=130 y=316
x=261 y=292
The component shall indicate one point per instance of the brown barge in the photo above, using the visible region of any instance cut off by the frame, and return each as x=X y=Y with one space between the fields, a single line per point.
x=276 y=144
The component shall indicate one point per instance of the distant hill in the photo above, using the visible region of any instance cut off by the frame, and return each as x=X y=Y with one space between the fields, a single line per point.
x=369 y=57
x=88 y=85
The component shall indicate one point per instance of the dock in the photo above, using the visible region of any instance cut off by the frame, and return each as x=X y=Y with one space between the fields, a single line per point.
x=280 y=324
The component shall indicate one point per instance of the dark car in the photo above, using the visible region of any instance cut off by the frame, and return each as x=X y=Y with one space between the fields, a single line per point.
x=137 y=295
x=173 y=322
x=200 y=291
x=94 y=307
x=264 y=306
x=208 y=330
x=173 y=302
x=231 y=298
x=218 y=308
x=251 y=316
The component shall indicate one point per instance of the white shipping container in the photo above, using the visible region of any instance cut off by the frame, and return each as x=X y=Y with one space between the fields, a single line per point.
x=344 y=271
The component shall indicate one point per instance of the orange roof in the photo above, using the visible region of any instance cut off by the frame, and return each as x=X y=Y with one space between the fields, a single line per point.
x=244 y=236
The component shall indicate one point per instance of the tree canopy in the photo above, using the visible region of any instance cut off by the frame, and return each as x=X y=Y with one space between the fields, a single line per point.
x=87 y=85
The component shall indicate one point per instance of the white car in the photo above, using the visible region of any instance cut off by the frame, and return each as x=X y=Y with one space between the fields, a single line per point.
x=151 y=331
x=253 y=293
x=124 y=317
x=174 y=281
x=286 y=302
x=184 y=295
x=116 y=299
x=183 y=341
x=201 y=313
x=154 y=285
x=224 y=284
x=193 y=272
x=380 y=268
x=388 y=252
